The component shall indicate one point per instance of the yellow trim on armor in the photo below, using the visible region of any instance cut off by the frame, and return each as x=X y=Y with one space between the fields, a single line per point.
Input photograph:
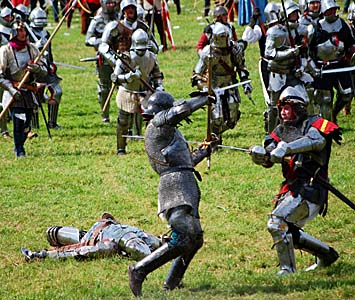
x=324 y=125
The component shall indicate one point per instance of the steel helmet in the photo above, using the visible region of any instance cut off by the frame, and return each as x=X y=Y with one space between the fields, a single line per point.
x=38 y=18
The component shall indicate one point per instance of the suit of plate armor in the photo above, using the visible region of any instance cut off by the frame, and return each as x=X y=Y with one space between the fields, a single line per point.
x=106 y=14
x=118 y=34
x=285 y=62
x=107 y=237
x=178 y=192
x=5 y=29
x=15 y=59
x=351 y=22
x=152 y=15
x=220 y=14
x=132 y=92
x=328 y=48
x=309 y=19
x=303 y=147
x=227 y=60
x=38 y=18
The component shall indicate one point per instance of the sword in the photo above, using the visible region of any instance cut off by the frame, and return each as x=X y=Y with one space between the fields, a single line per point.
x=86 y=59
x=69 y=66
x=338 y=70
x=140 y=137
x=220 y=90
x=332 y=189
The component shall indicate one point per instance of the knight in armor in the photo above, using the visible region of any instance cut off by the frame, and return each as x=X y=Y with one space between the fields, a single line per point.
x=310 y=18
x=329 y=49
x=107 y=237
x=301 y=143
x=286 y=52
x=153 y=16
x=227 y=61
x=109 y=12
x=132 y=92
x=16 y=58
x=220 y=15
x=117 y=35
x=351 y=22
x=178 y=192
x=256 y=32
x=39 y=36
x=6 y=19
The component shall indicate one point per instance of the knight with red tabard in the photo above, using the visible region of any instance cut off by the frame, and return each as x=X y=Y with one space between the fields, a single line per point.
x=302 y=145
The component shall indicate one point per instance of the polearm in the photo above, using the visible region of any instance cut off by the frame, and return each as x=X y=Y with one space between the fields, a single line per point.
x=261 y=23
x=39 y=56
x=121 y=57
x=292 y=41
x=108 y=98
x=209 y=106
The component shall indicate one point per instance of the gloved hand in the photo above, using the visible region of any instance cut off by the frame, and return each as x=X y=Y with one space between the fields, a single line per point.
x=277 y=155
x=15 y=93
x=299 y=72
x=33 y=68
x=159 y=88
x=254 y=17
x=131 y=76
x=114 y=77
x=247 y=88
x=40 y=43
x=211 y=145
x=258 y=154
x=315 y=72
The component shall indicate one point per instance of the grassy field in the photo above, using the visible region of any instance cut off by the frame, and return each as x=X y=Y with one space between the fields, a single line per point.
x=77 y=176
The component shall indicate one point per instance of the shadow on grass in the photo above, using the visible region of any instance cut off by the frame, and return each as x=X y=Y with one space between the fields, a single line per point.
x=278 y=285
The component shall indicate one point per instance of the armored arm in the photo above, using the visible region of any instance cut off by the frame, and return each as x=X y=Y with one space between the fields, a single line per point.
x=180 y=111
x=312 y=141
x=111 y=31
x=91 y=39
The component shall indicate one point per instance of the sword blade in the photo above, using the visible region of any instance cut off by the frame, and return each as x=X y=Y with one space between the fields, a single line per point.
x=338 y=70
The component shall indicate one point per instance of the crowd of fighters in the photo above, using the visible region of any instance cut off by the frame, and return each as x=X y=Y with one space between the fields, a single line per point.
x=306 y=59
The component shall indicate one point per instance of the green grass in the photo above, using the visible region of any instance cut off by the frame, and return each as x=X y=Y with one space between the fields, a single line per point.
x=74 y=178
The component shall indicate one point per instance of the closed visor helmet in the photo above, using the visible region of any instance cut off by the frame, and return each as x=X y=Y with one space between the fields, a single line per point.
x=291 y=7
x=38 y=18
x=140 y=40
x=328 y=4
x=220 y=36
x=219 y=11
x=16 y=25
x=158 y=102
x=293 y=96
x=108 y=6
x=272 y=13
x=126 y=3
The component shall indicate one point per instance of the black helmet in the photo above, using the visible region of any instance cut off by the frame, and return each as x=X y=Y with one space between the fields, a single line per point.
x=157 y=102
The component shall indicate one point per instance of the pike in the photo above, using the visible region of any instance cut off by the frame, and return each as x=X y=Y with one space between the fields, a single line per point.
x=39 y=56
